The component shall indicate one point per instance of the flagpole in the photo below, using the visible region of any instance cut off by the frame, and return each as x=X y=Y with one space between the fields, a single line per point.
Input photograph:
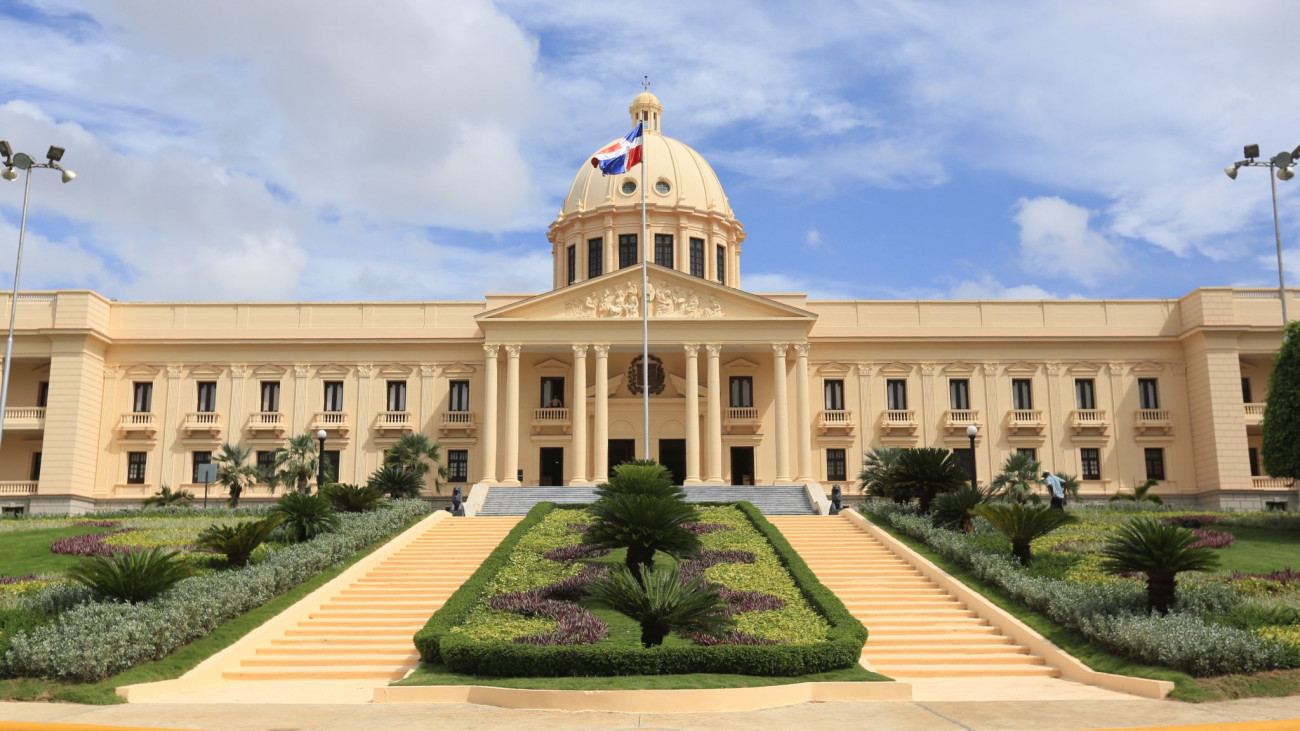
x=645 y=301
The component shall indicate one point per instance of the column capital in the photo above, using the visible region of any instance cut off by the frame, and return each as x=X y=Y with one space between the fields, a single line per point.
x=1053 y=367
x=237 y=370
x=513 y=349
x=175 y=371
x=714 y=349
x=801 y=349
x=428 y=369
x=990 y=367
x=364 y=369
x=601 y=351
x=927 y=368
x=692 y=349
x=491 y=350
x=780 y=348
x=580 y=351
x=1117 y=367
x=301 y=370
x=865 y=369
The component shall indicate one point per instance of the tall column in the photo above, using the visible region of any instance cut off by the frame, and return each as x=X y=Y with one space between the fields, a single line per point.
x=1055 y=417
x=782 y=413
x=490 y=413
x=298 y=423
x=802 y=419
x=994 y=415
x=1117 y=370
x=72 y=443
x=511 y=470
x=600 y=445
x=172 y=465
x=579 y=456
x=362 y=423
x=928 y=412
x=236 y=418
x=692 y=414
x=714 y=468
x=425 y=406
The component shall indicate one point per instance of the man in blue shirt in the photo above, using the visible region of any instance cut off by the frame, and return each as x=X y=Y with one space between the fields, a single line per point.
x=1057 y=489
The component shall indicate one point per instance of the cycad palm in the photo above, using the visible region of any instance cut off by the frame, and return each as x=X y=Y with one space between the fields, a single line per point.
x=1159 y=550
x=396 y=481
x=132 y=577
x=956 y=509
x=1141 y=493
x=296 y=463
x=167 y=498
x=640 y=478
x=926 y=472
x=416 y=453
x=876 y=478
x=1021 y=524
x=233 y=473
x=1018 y=481
x=660 y=603
x=643 y=524
x=238 y=541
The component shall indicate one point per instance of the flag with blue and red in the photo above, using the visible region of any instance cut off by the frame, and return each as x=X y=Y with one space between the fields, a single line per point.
x=621 y=154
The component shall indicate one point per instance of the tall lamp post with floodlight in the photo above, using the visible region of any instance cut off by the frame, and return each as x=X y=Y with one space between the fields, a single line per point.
x=12 y=164
x=971 y=431
x=320 y=460
x=1283 y=162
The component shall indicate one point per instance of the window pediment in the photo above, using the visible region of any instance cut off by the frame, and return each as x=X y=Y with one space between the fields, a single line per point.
x=458 y=370
x=551 y=367
x=333 y=369
x=897 y=369
x=396 y=370
x=207 y=370
x=1021 y=369
x=1084 y=369
x=833 y=369
x=1148 y=367
x=270 y=372
x=741 y=366
x=142 y=371
x=959 y=369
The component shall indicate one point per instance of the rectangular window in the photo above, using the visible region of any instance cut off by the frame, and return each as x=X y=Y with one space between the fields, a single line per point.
x=595 y=257
x=196 y=459
x=1148 y=395
x=697 y=257
x=1022 y=393
x=270 y=397
x=664 y=250
x=142 y=402
x=332 y=462
x=397 y=395
x=896 y=394
x=1085 y=393
x=458 y=396
x=722 y=265
x=833 y=392
x=572 y=254
x=135 y=462
x=958 y=394
x=552 y=393
x=1030 y=452
x=458 y=465
x=1245 y=391
x=207 y=397
x=42 y=394
x=626 y=250
x=836 y=465
x=1254 y=462
x=1090 y=463
x=36 y=466
x=265 y=466
x=1155 y=459
x=742 y=392
x=334 y=395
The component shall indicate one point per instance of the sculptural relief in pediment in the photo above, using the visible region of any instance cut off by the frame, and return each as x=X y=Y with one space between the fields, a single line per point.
x=667 y=301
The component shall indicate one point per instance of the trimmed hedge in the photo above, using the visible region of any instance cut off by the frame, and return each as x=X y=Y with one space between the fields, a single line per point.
x=841 y=649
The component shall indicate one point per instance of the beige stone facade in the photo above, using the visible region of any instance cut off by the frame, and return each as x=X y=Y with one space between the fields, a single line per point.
x=746 y=388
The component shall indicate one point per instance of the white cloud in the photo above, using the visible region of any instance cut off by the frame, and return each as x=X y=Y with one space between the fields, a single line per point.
x=986 y=287
x=812 y=238
x=1057 y=241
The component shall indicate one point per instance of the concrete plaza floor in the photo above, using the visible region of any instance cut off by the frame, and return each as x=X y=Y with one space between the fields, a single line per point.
x=1067 y=715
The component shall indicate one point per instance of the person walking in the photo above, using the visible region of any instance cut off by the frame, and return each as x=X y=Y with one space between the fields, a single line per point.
x=1057 y=490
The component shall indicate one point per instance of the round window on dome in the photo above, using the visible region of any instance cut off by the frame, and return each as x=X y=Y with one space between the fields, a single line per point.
x=662 y=187
x=629 y=187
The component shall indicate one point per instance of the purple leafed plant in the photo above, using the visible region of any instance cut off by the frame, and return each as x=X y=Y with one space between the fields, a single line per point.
x=575 y=552
x=1284 y=576
x=1213 y=538
x=700 y=529
x=575 y=625
x=16 y=579
x=580 y=527
x=1192 y=521
x=739 y=602
x=91 y=544
x=734 y=637
x=97 y=523
x=574 y=587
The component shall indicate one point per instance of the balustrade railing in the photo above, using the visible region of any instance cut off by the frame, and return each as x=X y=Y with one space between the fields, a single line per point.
x=18 y=487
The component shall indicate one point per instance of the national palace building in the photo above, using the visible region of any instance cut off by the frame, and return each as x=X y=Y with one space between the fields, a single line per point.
x=111 y=400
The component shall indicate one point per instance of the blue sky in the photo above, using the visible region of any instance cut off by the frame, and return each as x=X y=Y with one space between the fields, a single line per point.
x=269 y=151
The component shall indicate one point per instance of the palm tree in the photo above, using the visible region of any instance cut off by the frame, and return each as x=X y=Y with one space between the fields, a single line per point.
x=135 y=576
x=233 y=473
x=643 y=524
x=876 y=478
x=237 y=541
x=640 y=477
x=1018 y=480
x=925 y=472
x=661 y=603
x=296 y=464
x=1021 y=524
x=1141 y=493
x=1159 y=550
x=416 y=453
x=166 y=498
x=303 y=517
x=956 y=509
x=396 y=482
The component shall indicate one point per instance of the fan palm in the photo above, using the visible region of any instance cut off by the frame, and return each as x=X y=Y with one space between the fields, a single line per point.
x=1021 y=524
x=1159 y=550
x=641 y=477
x=295 y=464
x=956 y=509
x=876 y=478
x=396 y=481
x=166 y=498
x=1018 y=481
x=233 y=472
x=352 y=498
x=925 y=472
x=661 y=603
x=237 y=541
x=304 y=517
x=1141 y=493
x=643 y=524
x=416 y=453
x=136 y=576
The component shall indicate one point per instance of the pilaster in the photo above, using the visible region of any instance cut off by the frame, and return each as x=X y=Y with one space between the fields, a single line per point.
x=490 y=413
x=600 y=446
x=692 y=414
x=779 y=380
x=579 y=457
x=511 y=476
x=803 y=419
x=714 y=467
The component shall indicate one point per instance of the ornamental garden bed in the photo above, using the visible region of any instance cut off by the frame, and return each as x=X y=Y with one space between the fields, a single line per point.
x=528 y=613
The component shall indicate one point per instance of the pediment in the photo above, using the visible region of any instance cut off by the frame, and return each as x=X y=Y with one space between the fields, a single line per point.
x=551 y=366
x=458 y=369
x=1085 y=369
x=833 y=369
x=741 y=365
x=270 y=371
x=1021 y=368
x=897 y=368
x=1148 y=366
x=333 y=369
x=395 y=370
x=674 y=295
x=960 y=368
x=207 y=370
x=141 y=370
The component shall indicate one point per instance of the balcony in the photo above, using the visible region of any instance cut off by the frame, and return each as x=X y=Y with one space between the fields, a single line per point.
x=1089 y=421
x=1254 y=415
x=331 y=421
x=838 y=421
x=898 y=421
x=457 y=422
x=555 y=418
x=202 y=423
x=394 y=422
x=138 y=424
x=266 y=422
x=1153 y=421
x=1026 y=421
x=956 y=420
x=25 y=418
x=1260 y=483
x=18 y=487
x=740 y=419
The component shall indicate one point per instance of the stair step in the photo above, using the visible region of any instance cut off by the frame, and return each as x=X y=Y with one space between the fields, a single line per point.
x=965 y=671
x=380 y=661
x=332 y=673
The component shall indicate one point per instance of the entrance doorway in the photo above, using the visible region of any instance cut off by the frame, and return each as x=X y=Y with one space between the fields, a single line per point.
x=742 y=465
x=672 y=454
x=620 y=451
x=552 y=462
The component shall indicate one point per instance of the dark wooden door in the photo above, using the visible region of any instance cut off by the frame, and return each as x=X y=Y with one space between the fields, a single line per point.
x=672 y=454
x=552 y=466
x=620 y=451
x=742 y=465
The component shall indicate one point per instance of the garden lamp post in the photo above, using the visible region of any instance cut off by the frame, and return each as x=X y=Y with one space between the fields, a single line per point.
x=12 y=164
x=971 y=431
x=1283 y=163
x=320 y=460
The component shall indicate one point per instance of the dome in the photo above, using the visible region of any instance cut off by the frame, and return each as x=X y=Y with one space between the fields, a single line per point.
x=676 y=177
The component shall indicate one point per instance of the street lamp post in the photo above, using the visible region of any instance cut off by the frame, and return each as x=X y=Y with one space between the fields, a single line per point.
x=1283 y=163
x=13 y=163
x=320 y=460
x=971 y=431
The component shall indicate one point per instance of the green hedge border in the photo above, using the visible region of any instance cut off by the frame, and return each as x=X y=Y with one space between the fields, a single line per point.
x=841 y=649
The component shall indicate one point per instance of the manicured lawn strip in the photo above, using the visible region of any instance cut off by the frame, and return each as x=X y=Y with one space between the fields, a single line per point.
x=28 y=552
x=186 y=658
x=1259 y=550
x=440 y=675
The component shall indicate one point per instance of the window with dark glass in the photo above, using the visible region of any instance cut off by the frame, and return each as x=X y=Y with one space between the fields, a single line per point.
x=1254 y=461
x=896 y=394
x=270 y=396
x=42 y=394
x=836 y=465
x=135 y=462
x=1148 y=395
x=1022 y=393
x=36 y=466
x=458 y=465
x=334 y=395
x=1155 y=459
x=332 y=462
x=664 y=250
x=833 y=392
x=742 y=392
x=1090 y=463
x=196 y=459
x=265 y=465
x=958 y=394
x=626 y=250
x=1245 y=391
x=207 y=397
x=552 y=392
x=722 y=265
x=458 y=396
x=697 y=257
x=595 y=257
x=1085 y=393
x=397 y=395
x=571 y=252
x=142 y=401
x=1030 y=452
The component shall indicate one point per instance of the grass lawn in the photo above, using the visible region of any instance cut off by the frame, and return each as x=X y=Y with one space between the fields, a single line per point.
x=1259 y=550
x=440 y=675
x=28 y=552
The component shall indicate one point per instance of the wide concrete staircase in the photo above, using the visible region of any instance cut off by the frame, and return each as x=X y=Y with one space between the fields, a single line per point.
x=917 y=629
x=366 y=630
x=770 y=499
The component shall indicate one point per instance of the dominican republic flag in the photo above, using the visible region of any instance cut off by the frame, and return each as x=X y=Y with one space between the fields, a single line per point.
x=621 y=155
